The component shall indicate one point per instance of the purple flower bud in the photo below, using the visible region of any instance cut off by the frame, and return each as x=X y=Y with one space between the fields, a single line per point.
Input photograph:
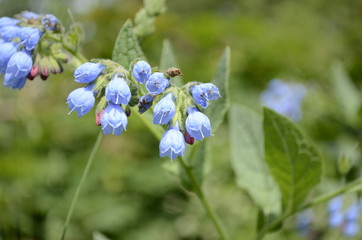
x=205 y=92
x=164 y=110
x=29 y=37
x=172 y=143
x=81 y=100
x=29 y=15
x=118 y=91
x=6 y=21
x=144 y=103
x=141 y=71
x=157 y=83
x=6 y=51
x=17 y=70
x=50 y=22
x=188 y=139
x=114 y=119
x=33 y=72
x=197 y=124
x=88 y=72
x=8 y=33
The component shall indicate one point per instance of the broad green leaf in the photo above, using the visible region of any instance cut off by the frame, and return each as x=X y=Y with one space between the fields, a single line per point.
x=217 y=109
x=168 y=60
x=126 y=48
x=294 y=161
x=247 y=158
x=345 y=91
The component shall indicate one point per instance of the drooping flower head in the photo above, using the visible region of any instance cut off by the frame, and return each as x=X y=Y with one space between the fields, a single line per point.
x=164 y=110
x=118 y=91
x=17 y=70
x=6 y=51
x=205 y=92
x=172 y=143
x=81 y=100
x=157 y=83
x=197 y=124
x=88 y=72
x=114 y=119
x=141 y=71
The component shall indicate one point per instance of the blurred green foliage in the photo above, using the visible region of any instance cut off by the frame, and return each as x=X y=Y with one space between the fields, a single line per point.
x=128 y=194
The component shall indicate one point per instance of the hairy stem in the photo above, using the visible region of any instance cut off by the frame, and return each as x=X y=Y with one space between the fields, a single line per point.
x=80 y=184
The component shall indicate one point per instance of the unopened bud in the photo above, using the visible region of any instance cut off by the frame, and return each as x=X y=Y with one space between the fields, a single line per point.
x=33 y=72
x=188 y=139
x=98 y=117
x=128 y=111
x=144 y=103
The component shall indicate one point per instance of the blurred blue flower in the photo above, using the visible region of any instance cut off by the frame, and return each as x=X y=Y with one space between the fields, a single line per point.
x=144 y=103
x=351 y=224
x=88 y=72
x=29 y=15
x=50 y=22
x=304 y=220
x=9 y=33
x=205 y=92
x=17 y=70
x=172 y=143
x=141 y=71
x=197 y=124
x=81 y=100
x=164 y=110
x=6 y=21
x=29 y=37
x=118 y=91
x=336 y=215
x=6 y=51
x=284 y=98
x=114 y=119
x=157 y=83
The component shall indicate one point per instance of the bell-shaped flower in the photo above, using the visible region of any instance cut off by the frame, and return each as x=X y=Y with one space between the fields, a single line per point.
x=50 y=22
x=114 y=119
x=9 y=33
x=141 y=71
x=117 y=91
x=88 y=72
x=6 y=21
x=81 y=100
x=144 y=103
x=164 y=110
x=197 y=124
x=7 y=49
x=205 y=92
x=157 y=83
x=29 y=37
x=17 y=70
x=172 y=143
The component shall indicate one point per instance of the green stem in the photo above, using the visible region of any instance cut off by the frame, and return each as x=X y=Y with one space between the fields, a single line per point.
x=198 y=191
x=84 y=176
x=351 y=187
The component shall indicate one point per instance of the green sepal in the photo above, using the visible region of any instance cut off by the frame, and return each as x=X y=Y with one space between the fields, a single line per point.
x=101 y=104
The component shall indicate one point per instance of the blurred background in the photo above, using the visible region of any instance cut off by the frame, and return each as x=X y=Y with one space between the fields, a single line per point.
x=128 y=194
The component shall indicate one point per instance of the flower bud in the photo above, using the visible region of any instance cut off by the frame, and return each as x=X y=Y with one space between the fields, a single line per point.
x=81 y=100
x=17 y=70
x=114 y=120
x=118 y=91
x=33 y=72
x=197 y=124
x=98 y=117
x=44 y=68
x=145 y=102
x=157 y=83
x=6 y=51
x=205 y=92
x=164 y=110
x=50 y=22
x=172 y=143
x=88 y=72
x=141 y=71
x=188 y=139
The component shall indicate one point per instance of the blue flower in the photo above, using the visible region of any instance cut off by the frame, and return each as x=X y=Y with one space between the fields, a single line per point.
x=29 y=15
x=8 y=33
x=118 y=91
x=197 y=124
x=335 y=212
x=6 y=21
x=172 y=143
x=351 y=225
x=164 y=110
x=351 y=229
x=284 y=98
x=17 y=70
x=144 y=103
x=81 y=100
x=304 y=220
x=205 y=92
x=157 y=83
x=50 y=22
x=114 y=119
x=6 y=51
x=29 y=37
x=141 y=71
x=88 y=72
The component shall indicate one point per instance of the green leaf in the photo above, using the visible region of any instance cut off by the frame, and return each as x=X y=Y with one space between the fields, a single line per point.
x=247 y=158
x=74 y=36
x=294 y=161
x=168 y=60
x=217 y=109
x=126 y=48
x=345 y=91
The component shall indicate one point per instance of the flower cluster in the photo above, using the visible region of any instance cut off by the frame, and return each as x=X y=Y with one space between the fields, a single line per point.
x=107 y=80
x=177 y=108
x=347 y=220
x=284 y=98
x=20 y=48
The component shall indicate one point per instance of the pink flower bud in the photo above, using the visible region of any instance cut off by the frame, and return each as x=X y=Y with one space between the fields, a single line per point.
x=98 y=117
x=33 y=72
x=188 y=139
